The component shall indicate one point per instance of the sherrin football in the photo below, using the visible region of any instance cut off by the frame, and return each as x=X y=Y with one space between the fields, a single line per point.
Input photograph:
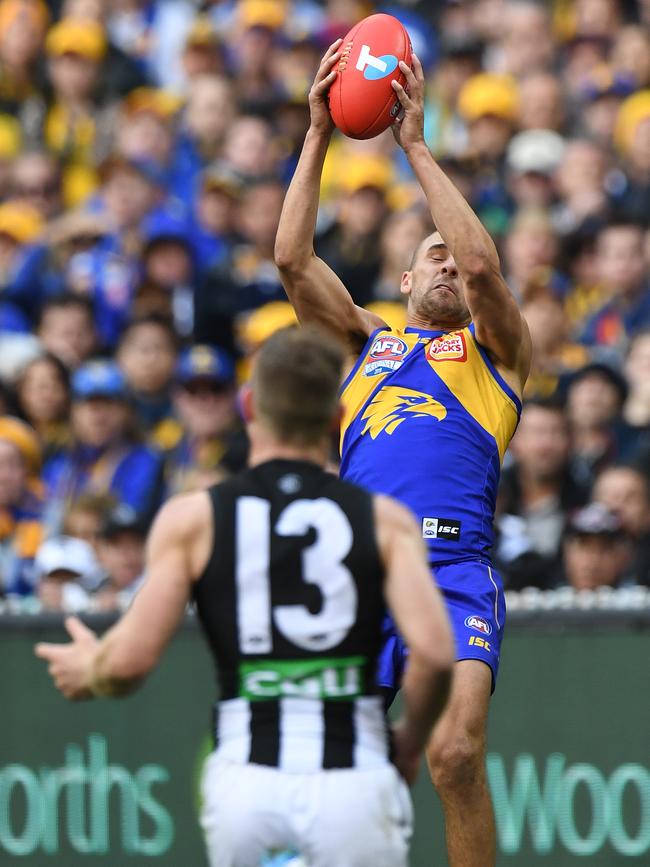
x=361 y=100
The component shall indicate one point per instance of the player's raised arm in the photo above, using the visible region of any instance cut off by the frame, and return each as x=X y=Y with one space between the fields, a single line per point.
x=498 y=322
x=419 y=612
x=117 y=663
x=317 y=294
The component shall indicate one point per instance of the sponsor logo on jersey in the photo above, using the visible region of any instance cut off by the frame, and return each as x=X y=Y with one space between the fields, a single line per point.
x=321 y=678
x=478 y=623
x=386 y=354
x=392 y=405
x=449 y=347
x=375 y=67
x=440 y=528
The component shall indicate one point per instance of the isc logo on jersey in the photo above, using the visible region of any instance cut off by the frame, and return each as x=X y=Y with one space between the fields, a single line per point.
x=449 y=347
x=478 y=623
x=386 y=354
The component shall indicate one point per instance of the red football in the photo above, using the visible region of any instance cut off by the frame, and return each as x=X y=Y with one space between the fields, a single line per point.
x=361 y=100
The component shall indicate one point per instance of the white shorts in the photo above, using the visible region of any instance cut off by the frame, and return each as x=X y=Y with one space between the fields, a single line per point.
x=334 y=818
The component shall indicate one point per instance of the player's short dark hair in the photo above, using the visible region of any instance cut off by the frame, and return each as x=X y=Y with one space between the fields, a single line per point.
x=296 y=383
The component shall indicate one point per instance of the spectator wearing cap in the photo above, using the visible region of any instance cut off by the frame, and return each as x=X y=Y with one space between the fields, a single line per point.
x=215 y=214
x=632 y=138
x=258 y=25
x=351 y=245
x=489 y=104
x=622 y=270
x=169 y=262
x=631 y=54
x=595 y=552
x=43 y=397
x=602 y=93
x=20 y=228
x=21 y=505
x=595 y=397
x=536 y=493
x=105 y=455
x=147 y=355
x=625 y=490
x=202 y=52
x=146 y=126
x=22 y=29
x=63 y=566
x=247 y=277
x=74 y=126
x=532 y=159
x=204 y=399
x=121 y=553
x=66 y=329
x=205 y=120
x=256 y=328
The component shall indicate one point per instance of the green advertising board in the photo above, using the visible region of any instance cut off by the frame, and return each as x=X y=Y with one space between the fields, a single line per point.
x=114 y=783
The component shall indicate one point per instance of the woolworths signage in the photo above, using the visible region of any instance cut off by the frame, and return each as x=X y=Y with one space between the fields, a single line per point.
x=116 y=783
x=47 y=810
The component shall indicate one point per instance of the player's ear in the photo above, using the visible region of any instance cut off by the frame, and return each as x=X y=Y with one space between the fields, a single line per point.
x=405 y=285
x=337 y=419
x=245 y=403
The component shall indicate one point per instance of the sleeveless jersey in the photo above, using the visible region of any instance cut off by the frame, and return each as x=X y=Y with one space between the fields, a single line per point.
x=427 y=419
x=292 y=604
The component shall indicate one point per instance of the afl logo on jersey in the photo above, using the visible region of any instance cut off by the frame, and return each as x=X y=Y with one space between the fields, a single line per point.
x=449 y=347
x=386 y=354
x=478 y=623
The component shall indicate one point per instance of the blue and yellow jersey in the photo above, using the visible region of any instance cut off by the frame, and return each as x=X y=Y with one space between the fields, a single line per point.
x=427 y=419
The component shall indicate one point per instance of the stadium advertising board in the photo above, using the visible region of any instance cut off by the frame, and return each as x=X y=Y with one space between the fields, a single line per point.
x=91 y=783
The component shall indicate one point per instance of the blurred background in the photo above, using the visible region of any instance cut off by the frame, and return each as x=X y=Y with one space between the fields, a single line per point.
x=145 y=149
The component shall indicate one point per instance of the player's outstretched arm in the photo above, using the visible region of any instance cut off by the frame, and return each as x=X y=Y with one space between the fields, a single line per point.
x=498 y=322
x=117 y=663
x=419 y=612
x=317 y=294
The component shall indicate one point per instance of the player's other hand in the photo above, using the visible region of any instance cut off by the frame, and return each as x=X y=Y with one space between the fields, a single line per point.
x=321 y=119
x=71 y=664
x=406 y=755
x=408 y=127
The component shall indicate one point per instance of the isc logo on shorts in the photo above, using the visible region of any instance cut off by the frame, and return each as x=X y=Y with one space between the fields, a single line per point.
x=440 y=528
x=386 y=354
x=478 y=623
x=449 y=347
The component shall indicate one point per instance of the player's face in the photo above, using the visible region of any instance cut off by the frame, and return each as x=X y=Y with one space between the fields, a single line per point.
x=434 y=285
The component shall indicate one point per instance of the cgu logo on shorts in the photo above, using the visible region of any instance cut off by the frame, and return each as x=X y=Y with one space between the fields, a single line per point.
x=386 y=354
x=478 y=623
x=373 y=67
x=449 y=347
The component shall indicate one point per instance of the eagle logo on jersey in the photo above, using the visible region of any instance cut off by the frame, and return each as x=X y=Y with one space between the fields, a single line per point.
x=393 y=404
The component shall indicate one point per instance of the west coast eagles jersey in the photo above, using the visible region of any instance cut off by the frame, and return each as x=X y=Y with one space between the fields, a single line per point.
x=427 y=419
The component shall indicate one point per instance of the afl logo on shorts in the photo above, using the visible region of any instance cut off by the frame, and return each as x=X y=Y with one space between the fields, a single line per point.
x=479 y=624
x=449 y=347
x=386 y=354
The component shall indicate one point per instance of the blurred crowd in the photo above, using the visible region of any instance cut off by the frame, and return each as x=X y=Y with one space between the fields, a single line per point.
x=145 y=148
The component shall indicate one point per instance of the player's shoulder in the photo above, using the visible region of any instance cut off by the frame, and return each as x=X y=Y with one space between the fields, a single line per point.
x=183 y=515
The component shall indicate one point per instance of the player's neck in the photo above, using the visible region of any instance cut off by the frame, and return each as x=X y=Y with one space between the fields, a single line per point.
x=265 y=447
x=415 y=320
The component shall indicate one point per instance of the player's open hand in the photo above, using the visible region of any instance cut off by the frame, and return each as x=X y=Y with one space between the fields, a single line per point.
x=71 y=664
x=408 y=127
x=321 y=119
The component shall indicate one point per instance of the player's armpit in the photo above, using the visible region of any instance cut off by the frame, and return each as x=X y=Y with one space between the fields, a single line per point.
x=177 y=553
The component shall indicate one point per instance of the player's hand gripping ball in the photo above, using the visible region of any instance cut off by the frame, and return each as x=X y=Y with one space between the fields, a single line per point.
x=361 y=100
